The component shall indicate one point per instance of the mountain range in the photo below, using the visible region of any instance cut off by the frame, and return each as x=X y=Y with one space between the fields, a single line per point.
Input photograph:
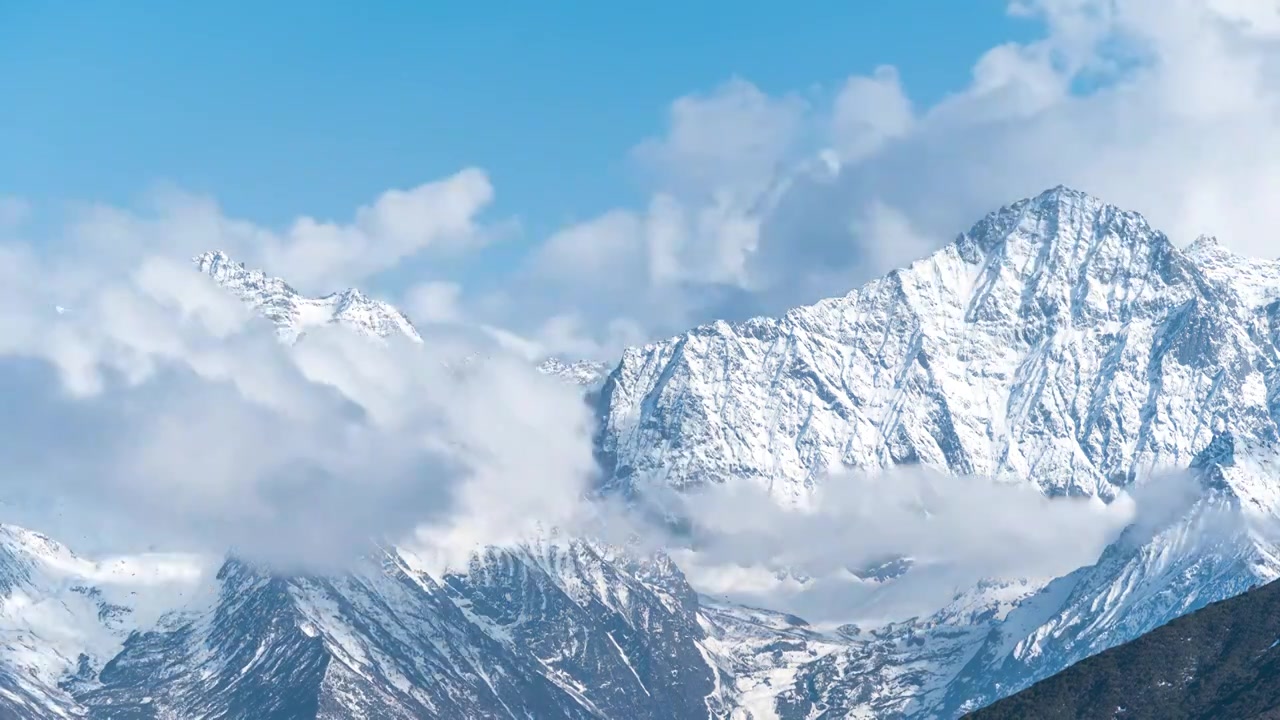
x=1061 y=341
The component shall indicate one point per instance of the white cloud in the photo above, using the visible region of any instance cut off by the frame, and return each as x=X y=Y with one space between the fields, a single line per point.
x=1167 y=107
x=434 y=302
x=593 y=254
x=733 y=137
x=160 y=412
x=955 y=530
x=399 y=224
x=868 y=112
x=1173 y=106
x=318 y=256
x=937 y=534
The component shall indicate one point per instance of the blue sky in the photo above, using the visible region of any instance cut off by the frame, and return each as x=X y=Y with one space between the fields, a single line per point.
x=284 y=108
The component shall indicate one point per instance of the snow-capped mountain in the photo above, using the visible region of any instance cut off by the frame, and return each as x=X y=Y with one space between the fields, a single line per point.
x=293 y=312
x=1060 y=339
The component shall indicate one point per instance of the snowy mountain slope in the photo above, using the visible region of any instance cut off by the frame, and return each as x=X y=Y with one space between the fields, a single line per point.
x=759 y=651
x=1219 y=662
x=1253 y=282
x=63 y=617
x=1060 y=339
x=1212 y=545
x=783 y=668
x=367 y=645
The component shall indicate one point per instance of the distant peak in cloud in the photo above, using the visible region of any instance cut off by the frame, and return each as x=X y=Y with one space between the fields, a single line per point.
x=293 y=313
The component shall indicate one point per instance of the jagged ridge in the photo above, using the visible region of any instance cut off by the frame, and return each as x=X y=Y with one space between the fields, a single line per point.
x=293 y=312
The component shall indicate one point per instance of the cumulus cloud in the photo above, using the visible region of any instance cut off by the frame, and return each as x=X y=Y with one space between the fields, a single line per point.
x=632 y=274
x=160 y=412
x=1164 y=107
x=761 y=202
x=868 y=112
x=869 y=548
x=397 y=225
x=722 y=141
x=318 y=256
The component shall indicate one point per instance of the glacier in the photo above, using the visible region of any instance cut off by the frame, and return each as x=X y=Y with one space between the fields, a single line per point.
x=1060 y=341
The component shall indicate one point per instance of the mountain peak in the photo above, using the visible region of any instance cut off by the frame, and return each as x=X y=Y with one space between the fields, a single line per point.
x=1060 y=201
x=1255 y=282
x=587 y=373
x=1030 y=347
x=210 y=257
x=1061 y=225
x=1077 y=207
x=1064 y=195
x=218 y=265
x=293 y=312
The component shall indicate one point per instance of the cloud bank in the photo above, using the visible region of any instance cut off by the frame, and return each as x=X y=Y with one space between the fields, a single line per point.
x=886 y=546
x=158 y=412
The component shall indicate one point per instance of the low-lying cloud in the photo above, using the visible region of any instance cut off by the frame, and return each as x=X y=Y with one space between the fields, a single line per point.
x=932 y=534
x=904 y=542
